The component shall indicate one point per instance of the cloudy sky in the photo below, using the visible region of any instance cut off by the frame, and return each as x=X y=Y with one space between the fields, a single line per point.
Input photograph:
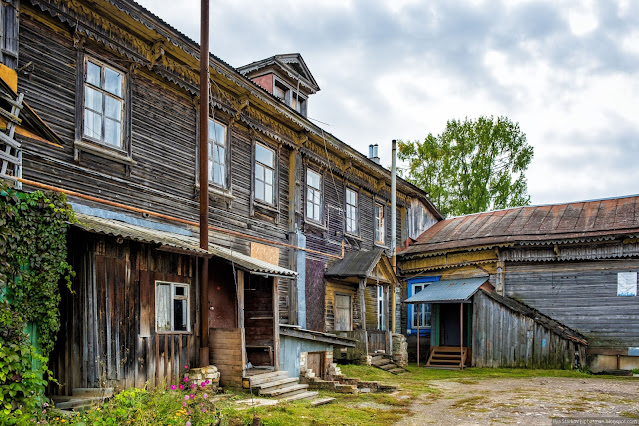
x=567 y=71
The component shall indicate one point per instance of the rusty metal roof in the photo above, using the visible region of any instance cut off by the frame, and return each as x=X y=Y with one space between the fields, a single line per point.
x=448 y=291
x=578 y=221
x=118 y=228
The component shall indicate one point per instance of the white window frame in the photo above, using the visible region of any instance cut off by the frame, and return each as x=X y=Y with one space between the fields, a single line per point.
x=381 y=308
x=421 y=308
x=380 y=228
x=352 y=213
x=256 y=178
x=105 y=94
x=214 y=158
x=314 y=209
x=173 y=297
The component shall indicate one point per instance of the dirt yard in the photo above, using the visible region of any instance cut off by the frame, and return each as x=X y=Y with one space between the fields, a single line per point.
x=529 y=401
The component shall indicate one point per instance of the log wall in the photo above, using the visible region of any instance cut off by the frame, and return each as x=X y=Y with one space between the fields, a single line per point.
x=582 y=295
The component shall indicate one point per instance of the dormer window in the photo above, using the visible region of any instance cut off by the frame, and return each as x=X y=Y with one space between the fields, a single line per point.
x=281 y=92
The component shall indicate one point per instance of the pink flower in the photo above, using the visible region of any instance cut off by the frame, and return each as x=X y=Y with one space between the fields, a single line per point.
x=207 y=381
x=192 y=396
x=204 y=410
x=203 y=384
x=186 y=366
x=186 y=397
x=184 y=404
x=173 y=387
x=181 y=387
x=193 y=385
x=188 y=423
x=186 y=379
x=206 y=395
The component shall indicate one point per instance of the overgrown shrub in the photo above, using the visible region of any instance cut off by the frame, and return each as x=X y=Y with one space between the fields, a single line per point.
x=21 y=384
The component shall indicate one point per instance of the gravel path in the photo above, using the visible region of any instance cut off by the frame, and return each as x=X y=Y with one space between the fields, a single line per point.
x=533 y=401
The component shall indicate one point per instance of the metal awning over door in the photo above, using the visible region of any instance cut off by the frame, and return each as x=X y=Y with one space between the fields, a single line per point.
x=448 y=291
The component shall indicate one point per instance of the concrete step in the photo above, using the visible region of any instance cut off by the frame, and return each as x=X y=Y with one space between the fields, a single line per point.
x=397 y=371
x=267 y=377
x=92 y=392
x=387 y=367
x=276 y=384
x=285 y=391
x=321 y=401
x=301 y=395
x=73 y=403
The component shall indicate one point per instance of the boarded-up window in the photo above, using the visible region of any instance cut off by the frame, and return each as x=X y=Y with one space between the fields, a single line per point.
x=315 y=295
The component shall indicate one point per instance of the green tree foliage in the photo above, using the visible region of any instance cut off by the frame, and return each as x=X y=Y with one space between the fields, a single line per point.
x=473 y=166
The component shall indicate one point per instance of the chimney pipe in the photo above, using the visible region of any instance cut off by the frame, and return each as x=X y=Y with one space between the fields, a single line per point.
x=373 y=153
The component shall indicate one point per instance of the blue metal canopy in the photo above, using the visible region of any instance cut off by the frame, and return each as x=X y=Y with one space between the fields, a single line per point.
x=448 y=291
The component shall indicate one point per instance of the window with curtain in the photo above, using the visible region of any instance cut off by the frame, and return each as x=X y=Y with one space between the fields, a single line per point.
x=171 y=306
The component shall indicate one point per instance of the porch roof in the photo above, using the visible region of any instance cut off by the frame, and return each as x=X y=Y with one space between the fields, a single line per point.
x=371 y=265
x=171 y=241
x=448 y=291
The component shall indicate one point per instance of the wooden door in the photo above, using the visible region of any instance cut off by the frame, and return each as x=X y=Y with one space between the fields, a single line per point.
x=343 y=316
x=315 y=362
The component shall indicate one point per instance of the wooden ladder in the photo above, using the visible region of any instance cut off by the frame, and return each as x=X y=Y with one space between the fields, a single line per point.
x=10 y=149
x=447 y=357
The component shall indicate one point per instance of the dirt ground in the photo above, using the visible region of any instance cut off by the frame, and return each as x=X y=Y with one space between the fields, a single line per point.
x=531 y=401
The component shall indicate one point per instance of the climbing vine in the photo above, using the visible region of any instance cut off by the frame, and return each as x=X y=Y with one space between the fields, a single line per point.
x=33 y=252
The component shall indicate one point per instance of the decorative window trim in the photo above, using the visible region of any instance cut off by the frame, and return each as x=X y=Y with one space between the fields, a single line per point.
x=355 y=234
x=320 y=205
x=173 y=298
x=216 y=191
x=120 y=154
x=259 y=207
x=381 y=204
x=381 y=307
x=410 y=288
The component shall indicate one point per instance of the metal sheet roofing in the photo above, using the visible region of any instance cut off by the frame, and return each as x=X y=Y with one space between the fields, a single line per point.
x=448 y=291
x=358 y=263
x=118 y=228
x=532 y=225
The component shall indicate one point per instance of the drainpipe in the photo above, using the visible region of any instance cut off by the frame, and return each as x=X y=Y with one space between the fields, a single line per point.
x=204 y=181
x=393 y=233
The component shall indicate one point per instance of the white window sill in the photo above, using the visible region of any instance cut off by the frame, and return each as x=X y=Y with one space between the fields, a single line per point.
x=104 y=151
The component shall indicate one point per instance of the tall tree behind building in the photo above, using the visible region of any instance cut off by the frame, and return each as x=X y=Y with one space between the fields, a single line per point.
x=472 y=166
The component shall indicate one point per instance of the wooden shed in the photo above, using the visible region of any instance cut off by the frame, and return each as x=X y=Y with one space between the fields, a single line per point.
x=474 y=326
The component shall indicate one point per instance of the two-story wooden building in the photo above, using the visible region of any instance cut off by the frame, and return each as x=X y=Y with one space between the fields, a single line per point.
x=572 y=266
x=117 y=88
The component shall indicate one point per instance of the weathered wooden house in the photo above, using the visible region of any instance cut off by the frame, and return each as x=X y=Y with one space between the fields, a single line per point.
x=573 y=263
x=117 y=88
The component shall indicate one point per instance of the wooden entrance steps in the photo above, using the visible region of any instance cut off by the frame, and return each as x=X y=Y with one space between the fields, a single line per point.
x=278 y=384
x=82 y=398
x=386 y=363
x=447 y=357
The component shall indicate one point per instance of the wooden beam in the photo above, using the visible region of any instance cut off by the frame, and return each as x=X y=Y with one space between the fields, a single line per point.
x=362 y=302
x=276 y=325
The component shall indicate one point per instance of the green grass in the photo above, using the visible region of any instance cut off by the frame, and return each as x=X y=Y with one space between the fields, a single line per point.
x=165 y=406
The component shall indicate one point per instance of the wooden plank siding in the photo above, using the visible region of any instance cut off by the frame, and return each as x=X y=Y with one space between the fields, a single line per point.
x=110 y=337
x=582 y=295
x=505 y=338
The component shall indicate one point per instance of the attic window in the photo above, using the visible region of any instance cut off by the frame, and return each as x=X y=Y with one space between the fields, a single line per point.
x=280 y=91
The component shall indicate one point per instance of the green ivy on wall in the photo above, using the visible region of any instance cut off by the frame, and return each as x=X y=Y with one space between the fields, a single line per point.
x=33 y=253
